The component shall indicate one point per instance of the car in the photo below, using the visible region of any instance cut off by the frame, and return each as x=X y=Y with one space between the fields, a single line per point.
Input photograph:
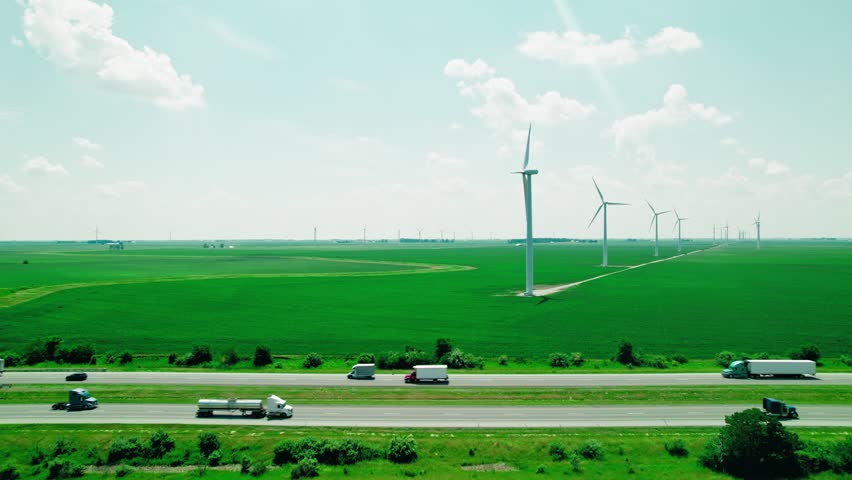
x=76 y=377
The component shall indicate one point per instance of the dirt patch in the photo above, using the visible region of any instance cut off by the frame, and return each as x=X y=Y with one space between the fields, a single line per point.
x=490 y=467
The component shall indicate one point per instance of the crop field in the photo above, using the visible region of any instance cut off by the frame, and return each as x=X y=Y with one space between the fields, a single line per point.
x=341 y=299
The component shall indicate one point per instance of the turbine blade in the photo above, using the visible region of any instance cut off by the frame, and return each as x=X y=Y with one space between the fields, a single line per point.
x=598 y=189
x=616 y=203
x=596 y=215
x=649 y=206
x=652 y=223
x=527 y=154
x=664 y=211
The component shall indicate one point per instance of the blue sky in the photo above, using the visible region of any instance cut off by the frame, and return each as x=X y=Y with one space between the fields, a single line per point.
x=220 y=120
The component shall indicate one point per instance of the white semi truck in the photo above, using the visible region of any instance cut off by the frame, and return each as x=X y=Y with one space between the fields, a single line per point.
x=274 y=407
x=428 y=373
x=770 y=368
x=362 y=371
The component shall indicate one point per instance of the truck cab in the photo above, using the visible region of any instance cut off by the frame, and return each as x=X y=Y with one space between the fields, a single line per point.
x=777 y=408
x=737 y=369
x=81 y=399
x=276 y=407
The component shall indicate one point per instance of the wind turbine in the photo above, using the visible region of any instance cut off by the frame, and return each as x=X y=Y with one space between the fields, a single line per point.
x=757 y=224
x=365 y=234
x=603 y=205
x=315 y=234
x=656 y=223
x=677 y=225
x=714 y=234
x=727 y=231
x=526 y=177
x=419 y=235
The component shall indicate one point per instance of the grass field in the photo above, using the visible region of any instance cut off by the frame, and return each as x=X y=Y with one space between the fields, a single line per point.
x=627 y=453
x=727 y=298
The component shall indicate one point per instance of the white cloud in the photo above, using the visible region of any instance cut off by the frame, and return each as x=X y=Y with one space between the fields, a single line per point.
x=675 y=110
x=8 y=185
x=456 y=126
x=16 y=42
x=769 y=167
x=672 y=39
x=88 y=161
x=835 y=187
x=41 y=166
x=347 y=85
x=77 y=36
x=86 y=143
x=577 y=48
x=732 y=180
x=655 y=172
x=445 y=161
x=242 y=41
x=458 y=68
x=729 y=141
x=117 y=189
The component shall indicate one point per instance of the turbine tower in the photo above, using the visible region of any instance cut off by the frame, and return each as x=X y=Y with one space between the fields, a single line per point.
x=603 y=205
x=526 y=177
x=757 y=224
x=677 y=225
x=655 y=222
x=714 y=234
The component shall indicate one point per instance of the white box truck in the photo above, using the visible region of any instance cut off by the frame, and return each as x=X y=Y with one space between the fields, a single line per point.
x=428 y=373
x=362 y=370
x=770 y=368
x=276 y=407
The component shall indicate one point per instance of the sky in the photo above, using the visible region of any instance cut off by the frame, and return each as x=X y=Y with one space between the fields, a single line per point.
x=234 y=120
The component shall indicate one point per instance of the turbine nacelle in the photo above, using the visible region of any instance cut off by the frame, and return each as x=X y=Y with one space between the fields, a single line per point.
x=527 y=172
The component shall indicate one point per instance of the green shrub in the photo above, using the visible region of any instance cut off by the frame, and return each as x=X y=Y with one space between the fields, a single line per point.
x=262 y=356
x=626 y=355
x=12 y=359
x=442 y=348
x=208 y=443
x=457 y=359
x=38 y=456
x=124 y=470
x=110 y=358
x=125 y=358
x=806 y=352
x=62 y=447
x=577 y=359
x=541 y=469
x=159 y=445
x=366 y=358
x=574 y=460
x=657 y=361
x=9 y=472
x=258 y=468
x=230 y=357
x=124 y=449
x=680 y=359
x=402 y=449
x=78 y=355
x=676 y=448
x=345 y=452
x=760 y=356
x=172 y=358
x=414 y=357
x=724 y=358
x=814 y=458
x=590 y=449
x=312 y=360
x=64 y=468
x=200 y=354
x=842 y=461
x=558 y=360
x=215 y=458
x=558 y=451
x=245 y=465
x=306 y=468
x=502 y=360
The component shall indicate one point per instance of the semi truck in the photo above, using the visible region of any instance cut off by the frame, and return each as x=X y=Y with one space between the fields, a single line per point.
x=776 y=408
x=770 y=368
x=427 y=373
x=362 y=371
x=2 y=366
x=274 y=406
x=78 y=399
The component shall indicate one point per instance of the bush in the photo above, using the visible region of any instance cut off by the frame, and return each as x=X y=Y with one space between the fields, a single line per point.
x=657 y=361
x=110 y=358
x=257 y=468
x=558 y=451
x=245 y=465
x=541 y=469
x=62 y=447
x=625 y=354
x=344 y=452
x=752 y=444
x=312 y=360
x=52 y=348
x=577 y=359
x=502 y=360
x=64 y=468
x=843 y=456
x=814 y=458
x=215 y=458
x=262 y=356
x=402 y=449
x=9 y=472
x=680 y=359
x=760 y=356
x=306 y=468
x=159 y=445
x=79 y=354
x=366 y=358
x=457 y=359
x=124 y=449
x=806 y=352
x=442 y=348
x=591 y=449
x=208 y=443
x=172 y=358
x=677 y=448
x=388 y=360
x=34 y=352
x=124 y=470
x=558 y=360
x=725 y=358
x=12 y=359
x=38 y=456
x=230 y=357
x=125 y=358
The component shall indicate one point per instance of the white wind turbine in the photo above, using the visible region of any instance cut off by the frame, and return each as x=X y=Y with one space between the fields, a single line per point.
x=526 y=176
x=677 y=225
x=757 y=224
x=656 y=223
x=603 y=205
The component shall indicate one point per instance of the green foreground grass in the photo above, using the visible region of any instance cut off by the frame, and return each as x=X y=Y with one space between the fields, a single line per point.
x=628 y=453
x=703 y=394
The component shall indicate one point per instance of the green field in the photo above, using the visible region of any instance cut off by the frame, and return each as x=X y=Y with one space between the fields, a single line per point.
x=338 y=300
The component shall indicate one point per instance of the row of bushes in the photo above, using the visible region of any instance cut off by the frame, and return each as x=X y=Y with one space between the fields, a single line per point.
x=808 y=351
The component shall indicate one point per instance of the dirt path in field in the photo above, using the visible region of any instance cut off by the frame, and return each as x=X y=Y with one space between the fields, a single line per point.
x=543 y=292
x=27 y=294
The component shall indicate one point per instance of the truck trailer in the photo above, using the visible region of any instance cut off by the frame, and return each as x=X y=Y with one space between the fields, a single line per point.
x=770 y=368
x=427 y=373
x=252 y=408
x=362 y=371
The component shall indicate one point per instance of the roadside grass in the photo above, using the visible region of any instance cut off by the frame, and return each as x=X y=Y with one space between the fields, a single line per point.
x=628 y=452
x=728 y=298
x=701 y=394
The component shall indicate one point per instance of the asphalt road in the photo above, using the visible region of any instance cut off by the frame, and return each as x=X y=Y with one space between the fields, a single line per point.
x=396 y=380
x=426 y=417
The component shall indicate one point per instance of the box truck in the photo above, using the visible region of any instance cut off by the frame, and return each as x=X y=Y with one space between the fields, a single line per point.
x=363 y=370
x=428 y=373
x=769 y=368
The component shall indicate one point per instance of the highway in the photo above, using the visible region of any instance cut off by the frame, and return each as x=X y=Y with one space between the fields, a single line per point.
x=426 y=417
x=396 y=380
